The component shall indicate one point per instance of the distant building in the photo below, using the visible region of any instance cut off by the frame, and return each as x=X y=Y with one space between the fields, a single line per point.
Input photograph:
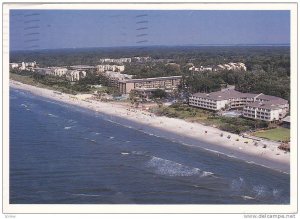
x=231 y=66
x=142 y=58
x=75 y=75
x=200 y=69
x=55 y=71
x=119 y=61
x=115 y=68
x=71 y=75
x=254 y=106
x=59 y=71
x=116 y=77
x=82 y=67
x=29 y=66
x=44 y=71
x=165 y=83
x=13 y=65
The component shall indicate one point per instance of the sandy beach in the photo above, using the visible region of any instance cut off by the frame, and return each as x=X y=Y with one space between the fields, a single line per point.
x=193 y=134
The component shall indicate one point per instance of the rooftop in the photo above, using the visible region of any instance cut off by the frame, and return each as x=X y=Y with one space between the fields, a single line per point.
x=267 y=101
x=225 y=95
x=287 y=119
x=275 y=100
x=266 y=105
x=82 y=67
x=152 y=79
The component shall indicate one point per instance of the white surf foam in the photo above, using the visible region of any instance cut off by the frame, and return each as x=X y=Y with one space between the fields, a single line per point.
x=259 y=191
x=125 y=153
x=237 y=184
x=206 y=173
x=171 y=168
x=82 y=194
x=51 y=115
x=245 y=197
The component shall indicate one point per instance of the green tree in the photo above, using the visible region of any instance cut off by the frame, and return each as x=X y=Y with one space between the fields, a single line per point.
x=134 y=97
x=159 y=94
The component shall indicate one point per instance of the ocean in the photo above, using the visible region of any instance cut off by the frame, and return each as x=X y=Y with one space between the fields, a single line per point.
x=61 y=154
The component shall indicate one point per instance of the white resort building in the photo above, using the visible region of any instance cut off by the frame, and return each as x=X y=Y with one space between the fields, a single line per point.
x=115 y=68
x=71 y=75
x=115 y=77
x=75 y=75
x=229 y=66
x=255 y=106
x=119 y=61
x=59 y=71
x=169 y=83
x=23 y=66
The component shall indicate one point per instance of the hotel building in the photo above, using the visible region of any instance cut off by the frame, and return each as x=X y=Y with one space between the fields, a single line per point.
x=165 y=83
x=255 y=106
x=115 y=77
x=268 y=108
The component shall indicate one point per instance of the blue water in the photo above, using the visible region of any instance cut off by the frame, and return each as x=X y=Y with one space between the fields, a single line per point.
x=63 y=154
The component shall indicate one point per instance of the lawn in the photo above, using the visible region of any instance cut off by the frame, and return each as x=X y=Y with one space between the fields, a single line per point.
x=276 y=134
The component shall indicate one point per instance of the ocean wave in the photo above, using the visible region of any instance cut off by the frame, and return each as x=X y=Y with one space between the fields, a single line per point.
x=91 y=140
x=276 y=193
x=72 y=121
x=260 y=191
x=68 y=127
x=207 y=173
x=83 y=194
x=125 y=153
x=238 y=184
x=171 y=168
x=139 y=152
x=52 y=115
x=246 y=197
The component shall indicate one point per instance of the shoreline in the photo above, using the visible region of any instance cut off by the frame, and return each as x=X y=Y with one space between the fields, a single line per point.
x=177 y=130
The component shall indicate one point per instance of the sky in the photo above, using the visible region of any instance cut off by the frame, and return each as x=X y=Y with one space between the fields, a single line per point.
x=55 y=29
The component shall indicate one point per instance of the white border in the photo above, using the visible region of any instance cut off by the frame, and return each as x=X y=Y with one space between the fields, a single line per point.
x=97 y=208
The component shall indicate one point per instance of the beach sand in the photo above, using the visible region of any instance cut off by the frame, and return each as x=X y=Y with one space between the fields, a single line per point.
x=181 y=131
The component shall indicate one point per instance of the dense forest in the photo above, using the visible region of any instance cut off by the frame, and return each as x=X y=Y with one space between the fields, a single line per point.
x=268 y=67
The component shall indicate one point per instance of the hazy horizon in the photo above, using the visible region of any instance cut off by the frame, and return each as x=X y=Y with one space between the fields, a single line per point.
x=63 y=29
